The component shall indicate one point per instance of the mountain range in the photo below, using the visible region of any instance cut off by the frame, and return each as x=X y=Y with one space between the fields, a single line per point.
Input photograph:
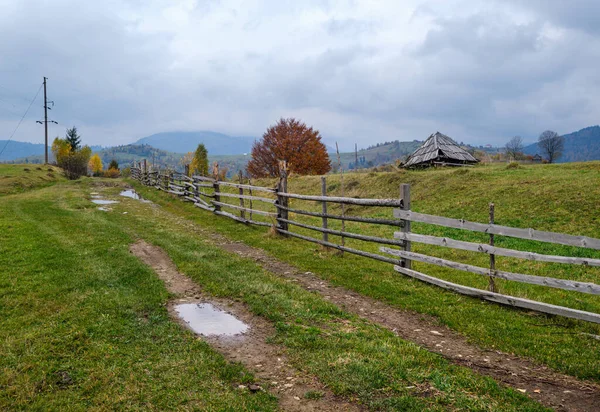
x=182 y=142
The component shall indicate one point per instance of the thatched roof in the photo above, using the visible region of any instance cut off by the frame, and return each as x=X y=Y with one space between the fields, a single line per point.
x=439 y=148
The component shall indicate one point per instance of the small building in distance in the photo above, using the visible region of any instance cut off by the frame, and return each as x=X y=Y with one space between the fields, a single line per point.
x=439 y=150
x=537 y=158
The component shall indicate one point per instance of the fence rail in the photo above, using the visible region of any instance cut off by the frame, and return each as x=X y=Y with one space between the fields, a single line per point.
x=209 y=194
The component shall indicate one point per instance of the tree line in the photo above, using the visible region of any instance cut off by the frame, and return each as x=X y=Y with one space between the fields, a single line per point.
x=550 y=143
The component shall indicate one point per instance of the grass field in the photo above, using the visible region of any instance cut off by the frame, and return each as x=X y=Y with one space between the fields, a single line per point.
x=560 y=198
x=83 y=323
x=20 y=178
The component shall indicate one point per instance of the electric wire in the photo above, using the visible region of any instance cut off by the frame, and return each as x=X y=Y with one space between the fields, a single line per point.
x=21 y=121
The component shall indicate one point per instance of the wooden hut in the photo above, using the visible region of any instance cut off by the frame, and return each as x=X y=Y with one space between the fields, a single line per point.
x=441 y=150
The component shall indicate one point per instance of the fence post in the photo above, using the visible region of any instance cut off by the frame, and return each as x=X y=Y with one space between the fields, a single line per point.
x=145 y=175
x=216 y=186
x=492 y=283
x=405 y=205
x=282 y=200
x=324 y=207
x=241 y=192
x=250 y=200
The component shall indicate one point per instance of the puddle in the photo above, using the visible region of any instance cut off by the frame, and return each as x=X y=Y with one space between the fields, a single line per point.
x=133 y=195
x=205 y=319
x=104 y=201
x=104 y=209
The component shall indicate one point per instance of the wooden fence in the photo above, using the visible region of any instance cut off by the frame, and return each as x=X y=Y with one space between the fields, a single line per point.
x=272 y=209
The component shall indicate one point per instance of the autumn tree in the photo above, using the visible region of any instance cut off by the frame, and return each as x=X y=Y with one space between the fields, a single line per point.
x=514 y=148
x=74 y=162
x=293 y=141
x=95 y=165
x=551 y=144
x=199 y=162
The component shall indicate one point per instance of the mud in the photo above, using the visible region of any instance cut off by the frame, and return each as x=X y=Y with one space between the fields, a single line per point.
x=267 y=361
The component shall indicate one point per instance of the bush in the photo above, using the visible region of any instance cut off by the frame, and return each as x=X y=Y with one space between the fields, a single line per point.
x=126 y=172
x=112 y=173
x=512 y=165
x=73 y=162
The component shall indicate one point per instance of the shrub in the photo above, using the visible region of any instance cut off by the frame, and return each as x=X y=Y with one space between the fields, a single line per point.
x=112 y=173
x=512 y=165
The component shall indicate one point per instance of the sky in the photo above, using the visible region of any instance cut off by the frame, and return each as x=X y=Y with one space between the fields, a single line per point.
x=358 y=71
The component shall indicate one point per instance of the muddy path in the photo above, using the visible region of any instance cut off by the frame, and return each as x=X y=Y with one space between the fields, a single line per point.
x=552 y=389
x=267 y=361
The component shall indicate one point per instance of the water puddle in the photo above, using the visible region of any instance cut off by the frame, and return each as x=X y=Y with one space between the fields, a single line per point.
x=205 y=319
x=104 y=209
x=130 y=193
x=104 y=201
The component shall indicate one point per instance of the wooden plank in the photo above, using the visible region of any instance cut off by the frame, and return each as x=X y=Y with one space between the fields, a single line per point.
x=258 y=212
x=262 y=199
x=248 y=187
x=530 y=234
x=498 y=251
x=365 y=238
x=342 y=248
x=344 y=200
x=198 y=200
x=377 y=221
x=207 y=208
x=503 y=299
x=563 y=284
x=175 y=192
x=206 y=185
x=234 y=217
x=203 y=178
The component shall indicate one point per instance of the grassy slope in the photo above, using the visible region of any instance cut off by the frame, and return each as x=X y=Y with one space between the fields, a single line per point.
x=83 y=323
x=552 y=197
x=19 y=178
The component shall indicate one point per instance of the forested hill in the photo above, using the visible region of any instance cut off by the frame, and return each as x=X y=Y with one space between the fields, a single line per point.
x=580 y=146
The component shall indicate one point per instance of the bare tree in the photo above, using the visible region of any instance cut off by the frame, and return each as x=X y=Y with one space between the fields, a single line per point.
x=514 y=148
x=551 y=144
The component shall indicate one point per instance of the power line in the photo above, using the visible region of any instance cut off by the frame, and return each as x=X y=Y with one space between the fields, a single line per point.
x=21 y=121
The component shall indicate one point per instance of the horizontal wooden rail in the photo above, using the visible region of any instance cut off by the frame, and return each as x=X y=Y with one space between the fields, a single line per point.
x=249 y=187
x=204 y=207
x=239 y=219
x=343 y=248
x=529 y=234
x=492 y=250
x=175 y=192
x=563 y=284
x=389 y=222
x=365 y=238
x=261 y=199
x=345 y=200
x=503 y=299
x=245 y=209
x=203 y=178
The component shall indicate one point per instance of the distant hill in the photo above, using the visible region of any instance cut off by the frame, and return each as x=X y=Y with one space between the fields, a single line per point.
x=580 y=146
x=183 y=142
x=15 y=150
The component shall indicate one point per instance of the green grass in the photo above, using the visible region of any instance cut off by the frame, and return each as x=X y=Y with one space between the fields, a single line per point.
x=83 y=323
x=20 y=178
x=560 y=198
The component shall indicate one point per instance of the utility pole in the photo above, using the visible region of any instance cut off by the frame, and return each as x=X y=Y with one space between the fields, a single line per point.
x=46 y=119
x=45 y=122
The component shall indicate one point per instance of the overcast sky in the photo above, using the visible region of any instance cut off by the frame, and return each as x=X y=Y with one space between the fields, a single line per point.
x=359 y=71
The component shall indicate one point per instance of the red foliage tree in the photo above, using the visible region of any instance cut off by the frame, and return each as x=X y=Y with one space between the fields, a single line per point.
x=290 y=140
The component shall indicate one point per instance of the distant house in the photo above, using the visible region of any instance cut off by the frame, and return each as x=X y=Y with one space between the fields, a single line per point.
x=439 y=149
x=537 y=158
